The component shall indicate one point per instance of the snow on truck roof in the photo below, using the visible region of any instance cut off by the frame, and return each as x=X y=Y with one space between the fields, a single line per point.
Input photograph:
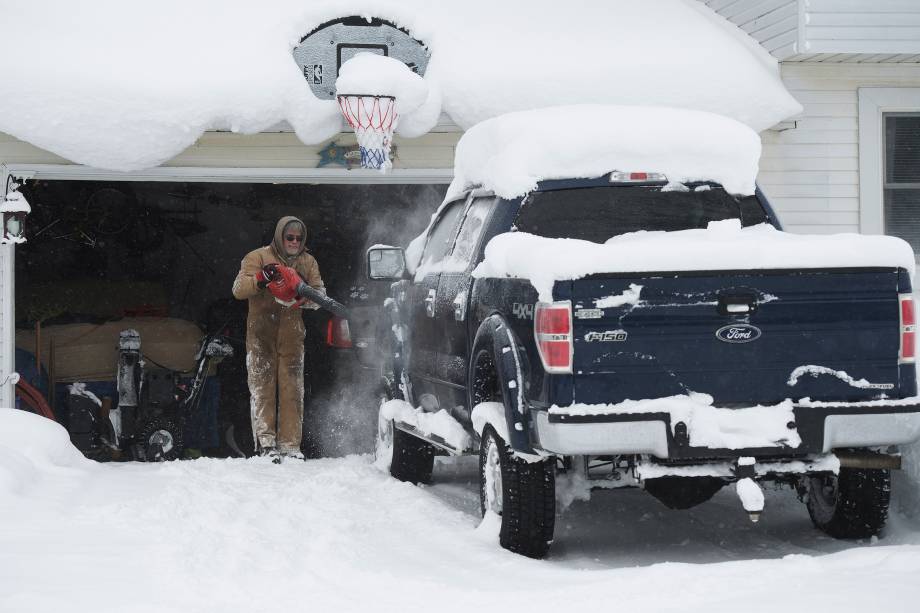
x=130 y=85
x=510 y=154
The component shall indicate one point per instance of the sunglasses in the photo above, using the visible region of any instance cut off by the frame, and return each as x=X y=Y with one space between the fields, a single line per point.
x=293 y=238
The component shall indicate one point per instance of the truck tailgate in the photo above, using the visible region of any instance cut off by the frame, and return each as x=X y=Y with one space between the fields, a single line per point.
x=736 y=335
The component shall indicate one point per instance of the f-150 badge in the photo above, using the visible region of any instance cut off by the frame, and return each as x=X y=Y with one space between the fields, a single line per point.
x=738 y=333
x=610 y=336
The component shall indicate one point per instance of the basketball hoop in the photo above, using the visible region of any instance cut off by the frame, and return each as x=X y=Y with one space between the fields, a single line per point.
x=373 y=118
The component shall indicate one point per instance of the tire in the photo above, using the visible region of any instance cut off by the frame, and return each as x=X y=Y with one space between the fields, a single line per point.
x=408 y=458
x=160 y=440
x=522 y=493
x=851 y=505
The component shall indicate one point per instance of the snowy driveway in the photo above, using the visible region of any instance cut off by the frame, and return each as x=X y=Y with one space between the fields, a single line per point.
x=338 y=535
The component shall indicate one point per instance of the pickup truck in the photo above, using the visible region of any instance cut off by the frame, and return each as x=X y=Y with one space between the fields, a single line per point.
x=677 y=381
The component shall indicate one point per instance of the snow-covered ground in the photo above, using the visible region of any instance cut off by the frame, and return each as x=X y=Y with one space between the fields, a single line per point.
x=339 y=535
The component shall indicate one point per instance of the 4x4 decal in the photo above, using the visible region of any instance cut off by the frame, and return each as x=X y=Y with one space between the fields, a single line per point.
x=522 y=311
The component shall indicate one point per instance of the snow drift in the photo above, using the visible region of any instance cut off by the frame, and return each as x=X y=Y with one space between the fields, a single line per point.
x=724 y=245
x=30 y=446
x=130 y=85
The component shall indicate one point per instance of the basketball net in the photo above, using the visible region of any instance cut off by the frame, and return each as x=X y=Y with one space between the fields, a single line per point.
x=373 y=118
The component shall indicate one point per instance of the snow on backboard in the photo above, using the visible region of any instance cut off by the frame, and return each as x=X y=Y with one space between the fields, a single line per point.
x=322 y=52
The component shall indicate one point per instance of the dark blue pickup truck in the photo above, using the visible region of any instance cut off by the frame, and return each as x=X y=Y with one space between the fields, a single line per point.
x=601 y=389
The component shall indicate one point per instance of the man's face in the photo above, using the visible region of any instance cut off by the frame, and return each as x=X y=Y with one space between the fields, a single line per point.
x=293 y=240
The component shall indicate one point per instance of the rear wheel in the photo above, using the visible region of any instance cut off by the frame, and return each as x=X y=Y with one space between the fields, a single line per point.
x=851 y=505
x=522 y=493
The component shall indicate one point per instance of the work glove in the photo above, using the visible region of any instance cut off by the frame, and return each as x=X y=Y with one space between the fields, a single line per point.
x=268 y=274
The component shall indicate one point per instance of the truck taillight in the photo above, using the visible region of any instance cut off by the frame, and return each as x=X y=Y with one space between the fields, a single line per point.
x=908 y=330
x=338 y=333
x=636 y=177
x=552 y=327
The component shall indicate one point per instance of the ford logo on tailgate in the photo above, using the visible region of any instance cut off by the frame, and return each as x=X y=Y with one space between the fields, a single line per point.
x=738 y=333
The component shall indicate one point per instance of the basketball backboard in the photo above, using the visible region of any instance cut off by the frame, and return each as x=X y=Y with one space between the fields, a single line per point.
x=322 y=52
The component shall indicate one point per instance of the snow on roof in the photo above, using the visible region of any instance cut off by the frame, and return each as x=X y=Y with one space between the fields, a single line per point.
x=511 y=153
x=128 y=85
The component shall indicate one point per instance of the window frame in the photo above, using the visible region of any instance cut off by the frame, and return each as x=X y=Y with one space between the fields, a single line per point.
x=874 y=104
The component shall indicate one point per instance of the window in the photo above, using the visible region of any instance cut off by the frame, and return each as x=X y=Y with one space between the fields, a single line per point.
x=884 y=182
x=441 y=235
x=598 y=213
x=468 y=238
x=901 y=195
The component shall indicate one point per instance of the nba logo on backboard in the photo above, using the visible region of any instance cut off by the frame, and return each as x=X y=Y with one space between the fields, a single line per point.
x=313 y=74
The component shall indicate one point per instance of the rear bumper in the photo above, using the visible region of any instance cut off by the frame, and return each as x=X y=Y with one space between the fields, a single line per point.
x=821 y=428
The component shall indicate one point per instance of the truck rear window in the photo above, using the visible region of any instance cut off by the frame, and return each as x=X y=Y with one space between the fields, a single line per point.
x=597 y=213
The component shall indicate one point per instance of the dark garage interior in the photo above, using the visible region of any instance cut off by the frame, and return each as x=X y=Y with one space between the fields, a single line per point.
x=160 y=257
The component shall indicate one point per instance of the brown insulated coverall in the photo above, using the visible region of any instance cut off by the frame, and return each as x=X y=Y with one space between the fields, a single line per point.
x=274 y=344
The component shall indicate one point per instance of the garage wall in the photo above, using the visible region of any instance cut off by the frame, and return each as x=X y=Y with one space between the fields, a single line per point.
x=811 y=172
x=266 y=150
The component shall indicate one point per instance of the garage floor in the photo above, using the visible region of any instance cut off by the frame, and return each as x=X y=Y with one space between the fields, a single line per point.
x=97 y=251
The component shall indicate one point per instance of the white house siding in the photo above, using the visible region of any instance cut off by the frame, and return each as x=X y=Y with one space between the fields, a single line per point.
x=829 y=30
x=811 y=173
x=772 y=23
x=861 y=26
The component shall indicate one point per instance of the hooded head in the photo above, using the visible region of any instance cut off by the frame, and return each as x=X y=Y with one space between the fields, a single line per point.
x=287 y=251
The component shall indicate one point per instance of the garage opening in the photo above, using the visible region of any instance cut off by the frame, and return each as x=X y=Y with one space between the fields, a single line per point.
x=160 y=258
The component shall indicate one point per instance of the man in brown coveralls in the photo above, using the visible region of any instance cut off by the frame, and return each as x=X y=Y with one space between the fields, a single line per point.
x=274 y=341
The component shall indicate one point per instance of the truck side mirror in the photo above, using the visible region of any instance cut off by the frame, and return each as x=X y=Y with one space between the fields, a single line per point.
x=386 y=263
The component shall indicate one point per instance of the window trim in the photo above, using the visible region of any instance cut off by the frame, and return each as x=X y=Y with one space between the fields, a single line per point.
x=874 y=102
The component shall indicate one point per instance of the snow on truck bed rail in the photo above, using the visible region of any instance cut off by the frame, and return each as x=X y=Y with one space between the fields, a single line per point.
x=724 y=245
x=511 y=153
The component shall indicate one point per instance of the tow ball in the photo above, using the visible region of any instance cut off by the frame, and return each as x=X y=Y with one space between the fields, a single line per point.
x=747 y=489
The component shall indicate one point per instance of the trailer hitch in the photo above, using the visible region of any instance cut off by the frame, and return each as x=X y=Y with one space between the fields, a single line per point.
x=748 y=491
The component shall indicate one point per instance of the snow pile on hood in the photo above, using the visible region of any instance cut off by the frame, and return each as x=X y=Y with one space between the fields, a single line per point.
x=724 y=245
x=31 y=445
x=511 y=153
x=129 y=85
